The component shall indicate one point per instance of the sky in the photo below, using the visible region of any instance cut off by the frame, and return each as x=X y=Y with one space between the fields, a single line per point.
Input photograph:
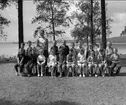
x=116 y=10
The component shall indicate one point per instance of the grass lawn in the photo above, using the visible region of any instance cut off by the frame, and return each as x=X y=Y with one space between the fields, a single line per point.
x=16 y=90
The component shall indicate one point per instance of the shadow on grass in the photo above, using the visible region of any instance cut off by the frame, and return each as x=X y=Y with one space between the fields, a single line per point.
x=122 y=74
x=7 y=102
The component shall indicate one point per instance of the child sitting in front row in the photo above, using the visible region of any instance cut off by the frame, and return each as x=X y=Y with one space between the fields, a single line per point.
x=20 y=60
x=92 y=66
x=115 y=58
x=101 y=62
x=70 y=63
x=81 y=63
x=41 y=64
x=52 y=63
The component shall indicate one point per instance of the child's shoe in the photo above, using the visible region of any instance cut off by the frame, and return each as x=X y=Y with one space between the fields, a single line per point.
x=41 y=75
x=83 y=75
x=96 y=75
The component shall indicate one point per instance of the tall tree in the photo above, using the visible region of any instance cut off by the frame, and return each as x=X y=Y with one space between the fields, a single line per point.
x=103 y=15
x=20 y=22
x=19 y=3
x=53 y=13
x=83 y=17
x=3 y=21
x=123 y=33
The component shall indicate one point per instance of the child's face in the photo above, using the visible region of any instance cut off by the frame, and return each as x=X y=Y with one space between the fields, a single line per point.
x=64 y=42
x=72 y=45
x=115 y=51
x=82 y=52
x=42 y=52
x=29 y=44
x=70 y=52
x=22 y=45
x=52 y=52
x=109 y=44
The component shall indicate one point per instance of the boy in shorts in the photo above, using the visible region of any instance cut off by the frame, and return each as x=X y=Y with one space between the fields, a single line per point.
x=70 y=63
x=115 y=59
x=101 y=62
x=29 y=52
x=20 y=60
x=92 y=66
x=61 y=61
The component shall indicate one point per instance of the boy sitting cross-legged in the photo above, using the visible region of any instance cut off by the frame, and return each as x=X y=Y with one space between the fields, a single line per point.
x=115 y=66
x=29 y=55
x=41 y=64
x=52 y=63
x=101 y=62
x=82 y=63
x=61 y=61
x=20 y=60
x=70 y=63
x=92 y=66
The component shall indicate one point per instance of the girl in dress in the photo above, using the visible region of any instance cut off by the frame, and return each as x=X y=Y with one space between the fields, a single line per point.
x=82 y=63
x=41 y=64
x=52 y=63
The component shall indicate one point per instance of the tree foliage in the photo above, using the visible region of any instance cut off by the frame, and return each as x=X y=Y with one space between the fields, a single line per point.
x=52 y=13
x=83 y=16
x=3 y=21
x=123 y=33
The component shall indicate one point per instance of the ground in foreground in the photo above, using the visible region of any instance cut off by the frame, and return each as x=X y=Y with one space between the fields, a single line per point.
x=16 y=90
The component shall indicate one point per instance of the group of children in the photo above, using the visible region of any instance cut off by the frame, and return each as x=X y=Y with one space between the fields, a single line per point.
x=68 y=61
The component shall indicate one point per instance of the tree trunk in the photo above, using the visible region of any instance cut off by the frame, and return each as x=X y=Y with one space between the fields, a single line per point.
x=103 y=15
x=92 y=36
x=53 y=25
x=20 y=22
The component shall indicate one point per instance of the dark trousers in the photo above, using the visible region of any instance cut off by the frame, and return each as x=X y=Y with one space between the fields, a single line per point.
x=29 y=66
x=115 y=68
x=18 y=66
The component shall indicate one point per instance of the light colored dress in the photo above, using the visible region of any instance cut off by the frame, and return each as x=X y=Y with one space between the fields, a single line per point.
x=52 y=60
x=40 y=59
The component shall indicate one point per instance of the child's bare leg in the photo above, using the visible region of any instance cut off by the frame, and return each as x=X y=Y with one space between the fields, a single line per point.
x=90 y=69
x=73 y=67
x=42 y=69
x=96 y=70
x=68 y=70
x=51 y=70
x=38 y=71
x=60 y=70
x=118 y=69
x=79 y=70
x=16 y=68
x=102 y=70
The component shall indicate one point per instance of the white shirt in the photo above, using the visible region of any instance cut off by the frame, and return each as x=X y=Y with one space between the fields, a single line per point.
x=81 y=57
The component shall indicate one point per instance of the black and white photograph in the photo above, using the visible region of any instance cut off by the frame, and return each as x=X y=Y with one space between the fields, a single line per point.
x=62 y=52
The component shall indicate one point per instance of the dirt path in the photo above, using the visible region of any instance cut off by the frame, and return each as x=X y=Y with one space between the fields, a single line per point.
x=16 y=90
